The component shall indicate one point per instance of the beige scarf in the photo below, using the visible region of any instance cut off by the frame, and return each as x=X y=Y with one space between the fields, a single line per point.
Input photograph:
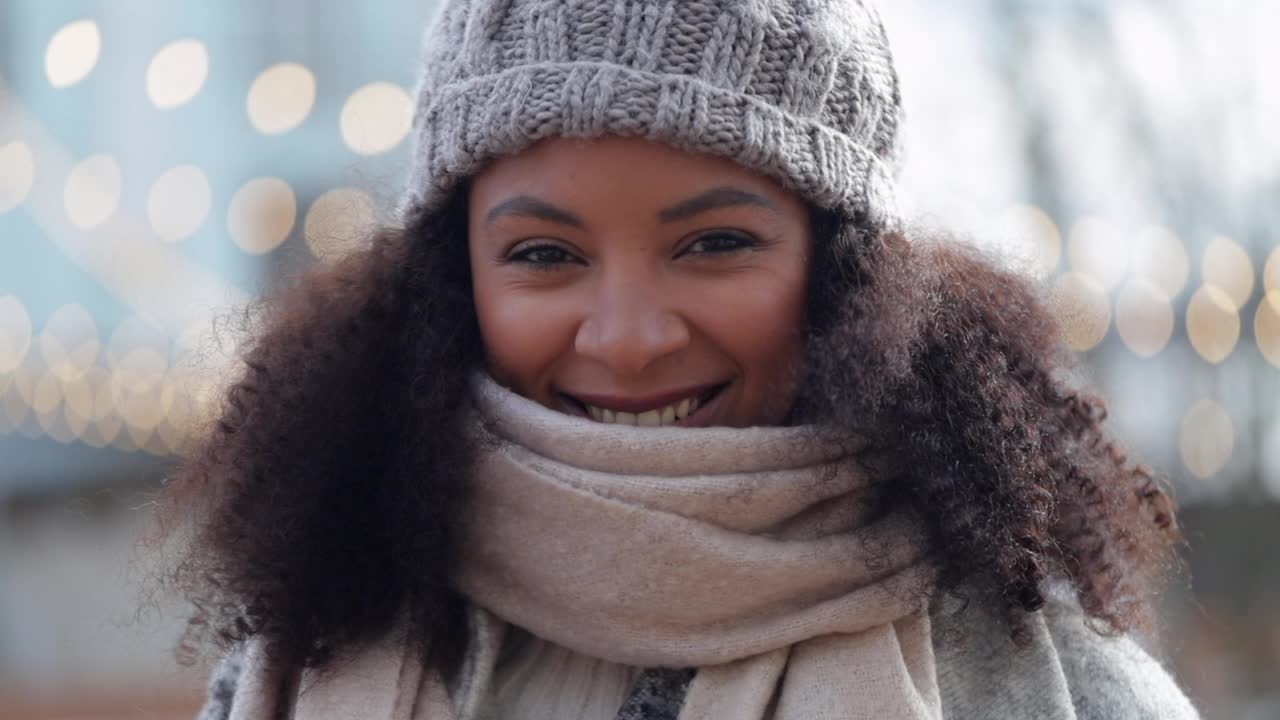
x=749 y=553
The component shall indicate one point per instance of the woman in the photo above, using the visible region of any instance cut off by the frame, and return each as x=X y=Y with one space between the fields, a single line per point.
x=652 y=409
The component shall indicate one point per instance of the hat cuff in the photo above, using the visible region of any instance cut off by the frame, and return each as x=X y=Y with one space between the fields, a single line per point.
x=468 y=123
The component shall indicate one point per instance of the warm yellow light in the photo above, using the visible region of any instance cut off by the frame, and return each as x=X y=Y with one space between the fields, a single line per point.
x=17 y=174
x=1098 y=250
x=47 y=395
x=1213 y=323
x=70 y=342
x=376 y=118
x=106 y=423
x=1027 y=234
x=1207 y=439
x=1271 y=271
x=15 y=336
x=177 y=73
x=1266 y=327
x=262 y=215
x=1227 y=265
x=72 y=53
x=77 y=404
x=139 y=401
x=281 y=98
x=92 y=192
x=1160 y=258
x=1083 y=312
x=1144 y=317
x=338 y=222
x=179 y=202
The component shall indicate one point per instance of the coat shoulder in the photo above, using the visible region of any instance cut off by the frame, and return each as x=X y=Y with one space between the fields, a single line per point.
x=222 y=686
x=1067 y=671
x=1111 y=676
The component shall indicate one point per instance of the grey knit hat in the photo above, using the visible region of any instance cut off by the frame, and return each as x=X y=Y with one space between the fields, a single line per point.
x=803 y=91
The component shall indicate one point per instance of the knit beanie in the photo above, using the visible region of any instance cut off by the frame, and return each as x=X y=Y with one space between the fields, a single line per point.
x=803 y=91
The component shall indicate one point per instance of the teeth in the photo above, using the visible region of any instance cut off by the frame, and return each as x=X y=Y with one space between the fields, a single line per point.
x=660 y=417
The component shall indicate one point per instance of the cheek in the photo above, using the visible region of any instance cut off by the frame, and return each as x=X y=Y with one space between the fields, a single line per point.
x=524 y=332
x=759 y=323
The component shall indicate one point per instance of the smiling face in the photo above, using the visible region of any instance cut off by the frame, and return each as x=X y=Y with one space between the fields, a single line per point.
x=628 y=281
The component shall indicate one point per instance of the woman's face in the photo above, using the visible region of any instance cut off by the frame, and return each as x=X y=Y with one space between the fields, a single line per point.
x=627 y=281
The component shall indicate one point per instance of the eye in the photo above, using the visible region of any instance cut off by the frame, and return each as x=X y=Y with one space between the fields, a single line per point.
x=540 y=257
x=721 y=243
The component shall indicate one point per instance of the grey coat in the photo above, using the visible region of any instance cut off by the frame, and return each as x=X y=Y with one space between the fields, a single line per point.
x=1066 y=672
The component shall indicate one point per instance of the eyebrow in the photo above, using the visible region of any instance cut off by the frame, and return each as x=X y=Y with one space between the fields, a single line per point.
x=724 y=196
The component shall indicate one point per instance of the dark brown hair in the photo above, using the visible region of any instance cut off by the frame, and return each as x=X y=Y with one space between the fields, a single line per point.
x=326 y=496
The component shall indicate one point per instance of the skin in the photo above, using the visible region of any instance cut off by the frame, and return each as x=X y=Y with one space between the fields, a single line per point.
x=589 y=285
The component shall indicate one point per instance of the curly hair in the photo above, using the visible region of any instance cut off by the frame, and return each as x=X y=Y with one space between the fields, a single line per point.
x=326 y=496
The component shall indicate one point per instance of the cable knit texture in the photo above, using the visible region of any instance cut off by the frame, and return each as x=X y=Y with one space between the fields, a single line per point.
x=803 y=91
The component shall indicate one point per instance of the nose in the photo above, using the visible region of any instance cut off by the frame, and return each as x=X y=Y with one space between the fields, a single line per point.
x=630 y=326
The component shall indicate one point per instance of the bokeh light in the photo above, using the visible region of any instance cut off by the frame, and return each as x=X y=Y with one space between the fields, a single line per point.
x=138 y=356
x=1266 y=327
x=17 y=174
x=177 y=73
x=1144 y=317
x=1227 y=265
x=1271 y=271
x=281 y=98
x=262 y=214
x=92 y=192
x=15 y=335
x=77 y=404
x=72 y=53
x=338 y=222
x=1207 y=439
x=1080 y=304
x=376 y=118
x=1029 y=235
x=179 y=202
x=70 y=342
x=1098 y=250
x=1213 y=324
x=1159 y=257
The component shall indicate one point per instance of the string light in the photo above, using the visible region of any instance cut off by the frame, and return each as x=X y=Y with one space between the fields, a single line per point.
x=72 y=53
x=338 y=222
x=1144 y=317
x=1083 y=312
x=1029 y=235
x=1266 y=327
x=1226 y=265
x=179 y=202
x=177 y=73
x=15 y=335
x=17 y=174
x=92 y=192
x=281 y=98
x=1213 y=323
x=1207 y=439
x=376 y=118
x=262 y=214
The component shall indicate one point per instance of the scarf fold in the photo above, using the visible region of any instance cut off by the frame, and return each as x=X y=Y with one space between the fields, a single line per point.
x=753 y=554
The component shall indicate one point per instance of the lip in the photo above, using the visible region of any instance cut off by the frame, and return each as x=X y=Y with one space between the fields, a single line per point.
x=700 y=417
x=638 y=405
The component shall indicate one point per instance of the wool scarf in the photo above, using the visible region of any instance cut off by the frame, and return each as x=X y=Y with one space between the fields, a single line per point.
x=756 y=555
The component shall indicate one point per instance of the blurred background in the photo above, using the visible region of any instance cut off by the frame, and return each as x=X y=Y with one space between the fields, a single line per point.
x=161 y=163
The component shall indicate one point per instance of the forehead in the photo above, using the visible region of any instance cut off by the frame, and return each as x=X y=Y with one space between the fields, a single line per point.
x=617 y=171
